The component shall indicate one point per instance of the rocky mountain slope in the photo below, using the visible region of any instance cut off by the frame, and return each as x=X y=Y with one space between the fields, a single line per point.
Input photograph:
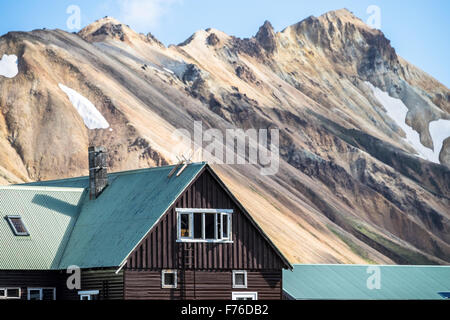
x=358 y=126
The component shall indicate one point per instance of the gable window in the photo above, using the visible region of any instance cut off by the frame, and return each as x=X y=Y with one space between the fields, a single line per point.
x=17 y=225
x=169 y=279
x=10 y=293
x=239 y=279
x=204 y=225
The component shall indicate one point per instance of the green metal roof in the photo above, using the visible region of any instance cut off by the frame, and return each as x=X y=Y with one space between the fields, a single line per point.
x=109 y=227
x=349 y=282
x=49 y=215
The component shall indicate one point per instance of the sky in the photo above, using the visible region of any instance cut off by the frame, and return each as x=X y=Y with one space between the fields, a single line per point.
x=418 y=29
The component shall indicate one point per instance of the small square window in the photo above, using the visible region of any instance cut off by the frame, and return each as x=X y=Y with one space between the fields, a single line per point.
x=169 y=279
x=17 y=225
x=9 y=293
x=13 y=293
x=239 y=279
x=34 y=293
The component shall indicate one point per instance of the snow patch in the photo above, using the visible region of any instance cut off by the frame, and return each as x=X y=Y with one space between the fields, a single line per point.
x=175 y=67
x=396 y=109
x=439 y=131
x=169 y=71
x=8 y=66
x=92 y=118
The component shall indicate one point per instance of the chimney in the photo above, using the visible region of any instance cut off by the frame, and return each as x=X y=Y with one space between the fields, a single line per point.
x=98 y=176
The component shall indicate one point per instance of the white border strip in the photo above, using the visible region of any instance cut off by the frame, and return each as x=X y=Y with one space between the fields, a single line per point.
x=199 y=210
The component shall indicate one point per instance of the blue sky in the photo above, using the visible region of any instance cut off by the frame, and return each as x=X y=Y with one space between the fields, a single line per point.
x=418 y=30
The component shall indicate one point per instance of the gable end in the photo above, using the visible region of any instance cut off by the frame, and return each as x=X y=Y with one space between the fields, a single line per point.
x=251 y=248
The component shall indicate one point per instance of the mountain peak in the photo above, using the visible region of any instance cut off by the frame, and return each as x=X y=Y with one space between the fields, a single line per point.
x=104 y=28
x=336 y=18
x=266 y=37
x=330 y=89
x=342 y=16
x=108 y=19
x=209 y=36
x=344 y=12
x=111 y=28
x=267 y=25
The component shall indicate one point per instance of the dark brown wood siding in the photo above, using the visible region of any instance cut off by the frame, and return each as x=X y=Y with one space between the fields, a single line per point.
x=201 y=285
x=249 y=250
x=29 y=279
x=106 y=281
x=109 y=284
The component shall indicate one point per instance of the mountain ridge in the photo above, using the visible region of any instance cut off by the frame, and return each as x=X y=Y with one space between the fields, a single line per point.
x=350 y=188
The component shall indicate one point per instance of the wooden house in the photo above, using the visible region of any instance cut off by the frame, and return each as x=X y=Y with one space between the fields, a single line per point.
x=168 y=232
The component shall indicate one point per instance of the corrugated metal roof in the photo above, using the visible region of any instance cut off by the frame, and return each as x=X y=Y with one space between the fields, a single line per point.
x=109 y=228
x=345 y=282
x=49 y=215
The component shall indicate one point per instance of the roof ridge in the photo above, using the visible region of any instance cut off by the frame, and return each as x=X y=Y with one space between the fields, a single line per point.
x=116 y=173
x=72 y=255
x=42 y=188
x=367 y=265
x=204 y=164
x=133 y=171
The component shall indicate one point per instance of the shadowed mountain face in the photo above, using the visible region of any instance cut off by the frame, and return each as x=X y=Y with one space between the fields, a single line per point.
x=353 y=186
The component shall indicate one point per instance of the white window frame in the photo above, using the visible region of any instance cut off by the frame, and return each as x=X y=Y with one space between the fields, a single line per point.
x=13 y=227
x=5 y=296
x=253 y=295
x=204 y=228
x=41 y=295
x=169 y=286
x=54 y=292
x=227 y=216
x=217 y=213
x=41 y=292
x=88 y=294
x=199 y=210
x=240 y=286
x=191 y=222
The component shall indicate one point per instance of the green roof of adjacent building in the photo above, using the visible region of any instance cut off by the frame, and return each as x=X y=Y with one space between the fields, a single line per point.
x=49 y=215
x=66 y=228
x=359 y=282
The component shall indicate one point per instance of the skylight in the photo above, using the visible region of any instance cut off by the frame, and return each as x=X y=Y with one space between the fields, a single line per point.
x=17 y=225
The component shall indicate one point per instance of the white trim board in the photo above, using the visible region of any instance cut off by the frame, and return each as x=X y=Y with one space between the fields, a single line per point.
x=243 y=294
x=200 y=210
x=88 y=292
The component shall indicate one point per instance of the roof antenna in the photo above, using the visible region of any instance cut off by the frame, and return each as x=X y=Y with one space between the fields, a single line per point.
x=186 y=162
x=179 y=163
x=182 y=161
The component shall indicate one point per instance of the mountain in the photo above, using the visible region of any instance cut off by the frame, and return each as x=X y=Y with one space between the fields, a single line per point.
x=363 y=134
